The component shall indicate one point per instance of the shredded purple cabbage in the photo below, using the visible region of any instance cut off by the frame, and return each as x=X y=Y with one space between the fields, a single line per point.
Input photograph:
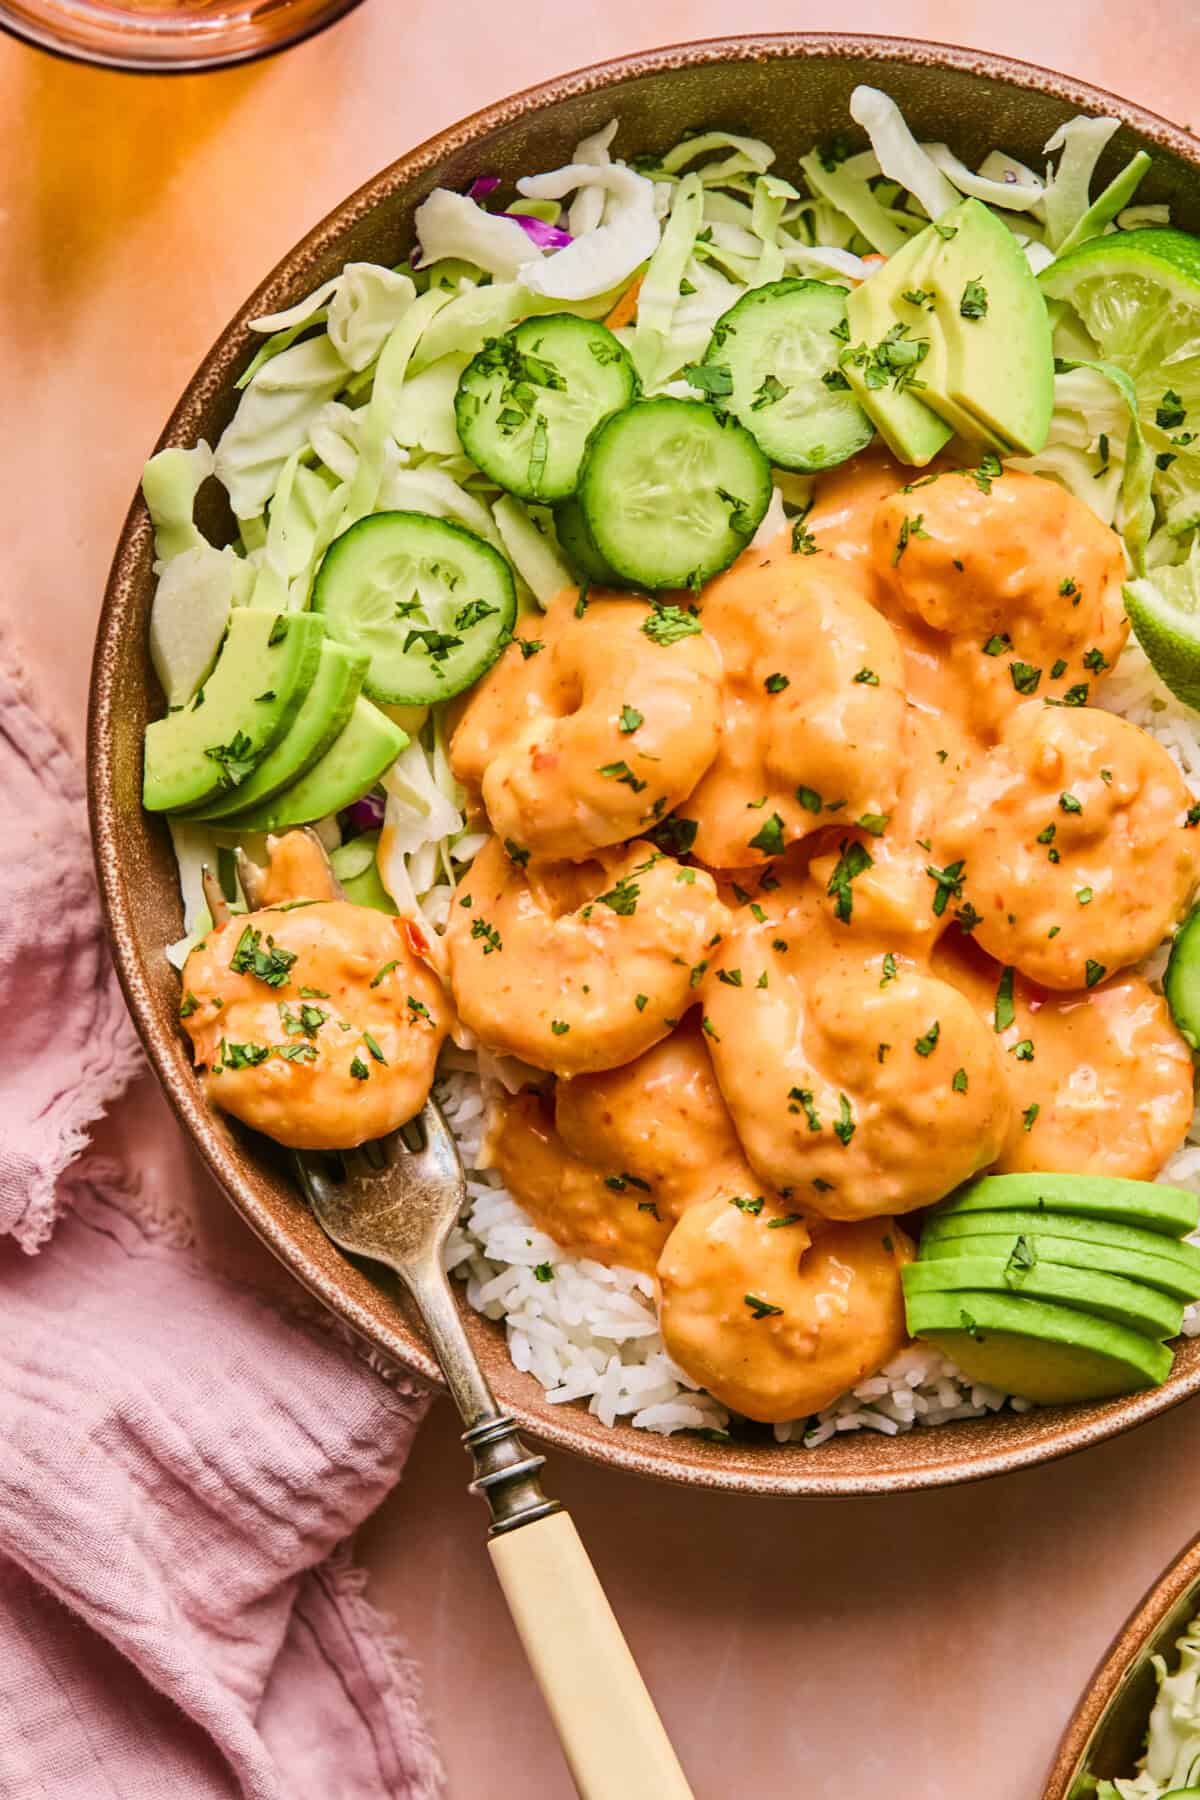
x=482 y=186
x=546 y=237
x=365 y=815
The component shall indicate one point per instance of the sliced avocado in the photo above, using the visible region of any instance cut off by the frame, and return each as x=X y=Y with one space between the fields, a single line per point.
x=998 y=369
x=1025 y=1273
x=358 y=756
x=266 y=666
x=1050 y=1354
x=323 y=712
x=879 y=318
x=1170 y=1275
x=355 y=866
x=1155 y=1207
x=1100 y=1232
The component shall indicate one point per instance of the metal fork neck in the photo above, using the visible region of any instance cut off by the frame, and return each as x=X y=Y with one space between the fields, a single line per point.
x=506 y=1474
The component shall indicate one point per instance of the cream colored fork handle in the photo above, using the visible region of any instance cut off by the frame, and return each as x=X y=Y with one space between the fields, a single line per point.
x=612 y=1737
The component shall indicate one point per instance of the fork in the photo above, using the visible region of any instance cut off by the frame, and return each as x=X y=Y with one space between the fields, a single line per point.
x=395 y=1202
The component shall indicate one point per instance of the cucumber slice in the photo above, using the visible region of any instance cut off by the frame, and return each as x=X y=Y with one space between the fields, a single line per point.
x=527 y=404
x=1181 y=983
x=577 y=545
x=429 y=603
x=779 y=349
x=671 y=491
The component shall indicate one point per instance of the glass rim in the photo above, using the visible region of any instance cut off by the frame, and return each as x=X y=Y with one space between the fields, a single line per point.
x=105 y=36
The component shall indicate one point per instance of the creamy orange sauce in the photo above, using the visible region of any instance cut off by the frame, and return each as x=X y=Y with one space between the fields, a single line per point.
x=608 y=1163
x=595 y=736
x=1100 y=1082
x=576 y=967
x=774 y=1322
x=317 y=1023
x=906 y=788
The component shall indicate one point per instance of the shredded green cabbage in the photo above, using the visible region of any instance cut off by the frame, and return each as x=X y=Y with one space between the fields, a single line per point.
x=1172 y=1756
x=348 y=405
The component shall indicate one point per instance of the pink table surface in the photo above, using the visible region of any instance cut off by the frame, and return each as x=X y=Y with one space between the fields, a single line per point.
x=925 y=1647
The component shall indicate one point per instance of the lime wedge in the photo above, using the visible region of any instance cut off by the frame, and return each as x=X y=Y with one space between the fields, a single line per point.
x=1138 y=295
x=1164 y=610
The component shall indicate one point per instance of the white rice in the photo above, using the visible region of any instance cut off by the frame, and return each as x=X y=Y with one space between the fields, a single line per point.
x=587 y=1332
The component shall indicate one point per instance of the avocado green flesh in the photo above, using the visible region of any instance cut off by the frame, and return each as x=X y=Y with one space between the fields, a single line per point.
x=999 y=369
x=1112 y=1297
x=1045 y=1353
x=1148 y=1204
x=1099 y=1232
x=244 y=708
x=1162 y=1272
x=358 y=756
x=323 y=713
x=988 y=377
x=911 y=431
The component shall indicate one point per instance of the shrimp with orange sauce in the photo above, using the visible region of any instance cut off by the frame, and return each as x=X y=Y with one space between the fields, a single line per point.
x=316 y=1021
x=776 y=1318
x=609 y=1162
x=579 y=966
x=593 y=736
x=813 y=706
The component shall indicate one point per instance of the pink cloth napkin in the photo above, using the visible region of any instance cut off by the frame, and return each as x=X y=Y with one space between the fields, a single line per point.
x=181 y=1460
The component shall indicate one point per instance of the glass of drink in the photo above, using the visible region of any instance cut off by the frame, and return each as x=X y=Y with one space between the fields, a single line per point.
x=167 y=36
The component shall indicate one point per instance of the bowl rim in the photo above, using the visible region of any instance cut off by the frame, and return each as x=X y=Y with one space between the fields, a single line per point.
x=1123 y=1655
x=1073 y=1429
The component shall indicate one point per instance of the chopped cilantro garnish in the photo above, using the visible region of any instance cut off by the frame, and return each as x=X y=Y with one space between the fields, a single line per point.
x=775 y=684
x=867 y=678
x=665 y=624
x=630 y=719
x=1025 y=677
x=621 y=771
x=373 y=1047
x=271 y=965
x=769 y=837
x=959 y=1081
x=491 y=937
x=745 y=1204
x=974 y=302
x=853 y=860
x=927 y=1043
x=949 y=884
x=1004 y=1012
x=1094 y=972
x=762 y=1309
x=359 y=1069
x=844 y=1126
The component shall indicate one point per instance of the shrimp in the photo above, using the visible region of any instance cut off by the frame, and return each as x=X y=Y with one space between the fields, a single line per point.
x=813 y=707
x=1101 y=1084
x=577 y=967
x=319 y=1026
x=1071 y=844
x=1007 y=586
x=858 y=1085
x=589 y=740
x=618 y=1157
x=774 y=1319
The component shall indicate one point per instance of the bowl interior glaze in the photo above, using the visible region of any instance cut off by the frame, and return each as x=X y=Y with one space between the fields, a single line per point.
x=793 y=91
x=1106 y=1734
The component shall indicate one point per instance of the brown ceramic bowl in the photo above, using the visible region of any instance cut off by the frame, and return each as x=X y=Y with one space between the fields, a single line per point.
x=793 y=91
x=1106 y=1735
